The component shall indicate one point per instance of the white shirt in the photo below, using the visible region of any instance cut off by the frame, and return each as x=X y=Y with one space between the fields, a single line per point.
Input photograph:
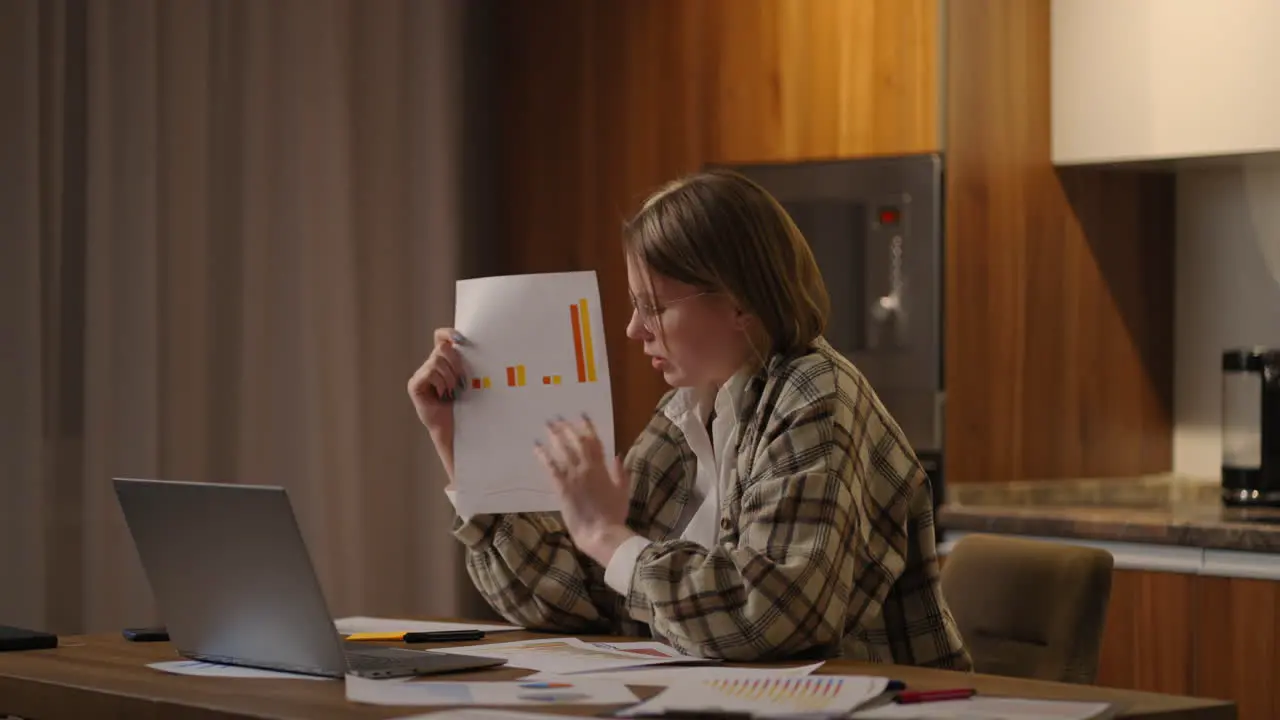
x=716 y=462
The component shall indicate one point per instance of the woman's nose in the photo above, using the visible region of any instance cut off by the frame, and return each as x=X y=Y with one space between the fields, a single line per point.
x=635 y=328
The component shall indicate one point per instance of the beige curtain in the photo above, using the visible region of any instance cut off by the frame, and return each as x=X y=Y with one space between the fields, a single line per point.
x=228 y=228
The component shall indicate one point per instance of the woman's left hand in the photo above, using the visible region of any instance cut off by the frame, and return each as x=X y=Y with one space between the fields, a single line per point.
x=594 y=491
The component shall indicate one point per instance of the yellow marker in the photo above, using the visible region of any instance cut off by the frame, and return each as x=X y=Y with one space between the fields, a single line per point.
x=378 y=636
x=586 y=341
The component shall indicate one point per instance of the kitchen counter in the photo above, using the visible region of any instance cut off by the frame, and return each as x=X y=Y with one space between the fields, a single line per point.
x=1156 y=509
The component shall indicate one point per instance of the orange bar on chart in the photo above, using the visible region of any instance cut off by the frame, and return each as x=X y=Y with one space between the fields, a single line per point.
x=546 y=379
x=475 y=383
x=575 y=320
x=511 y=377
x=520 y=375
x=588 y=349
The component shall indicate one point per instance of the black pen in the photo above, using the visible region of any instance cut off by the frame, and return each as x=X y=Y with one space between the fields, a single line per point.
x=443 y=636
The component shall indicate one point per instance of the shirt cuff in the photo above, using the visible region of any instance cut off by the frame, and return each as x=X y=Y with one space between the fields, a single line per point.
x=623 y=564
x=472 y=531
x=452 y=494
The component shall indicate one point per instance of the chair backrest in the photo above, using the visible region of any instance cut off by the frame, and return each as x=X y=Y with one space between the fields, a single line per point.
x=1029 y=608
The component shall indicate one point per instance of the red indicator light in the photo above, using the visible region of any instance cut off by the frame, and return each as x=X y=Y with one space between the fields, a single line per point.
x=889 y=216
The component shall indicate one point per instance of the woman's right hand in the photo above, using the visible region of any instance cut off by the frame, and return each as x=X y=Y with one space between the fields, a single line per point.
x=434 y=386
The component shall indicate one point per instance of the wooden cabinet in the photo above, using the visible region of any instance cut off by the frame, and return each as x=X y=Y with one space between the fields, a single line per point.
x=1195 y=635
x=1164 y=79
x=821 y=78
x=1236 y=628
x=1147 y=643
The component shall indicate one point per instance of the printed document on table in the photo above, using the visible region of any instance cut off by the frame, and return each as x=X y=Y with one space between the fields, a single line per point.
x=466 y=714
x=205 y=669
x=362 y=624
x=565 y=656
x=520 y=692
x=534 y=350
x=650 y=648
x=769 y=697
x=663 y=676
x=990 y=708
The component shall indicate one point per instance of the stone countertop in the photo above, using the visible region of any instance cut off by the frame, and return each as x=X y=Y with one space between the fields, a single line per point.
x=1156 y=509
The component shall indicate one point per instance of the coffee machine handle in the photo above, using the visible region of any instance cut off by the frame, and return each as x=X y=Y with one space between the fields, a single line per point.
x=1271 y=414
x=888 y=326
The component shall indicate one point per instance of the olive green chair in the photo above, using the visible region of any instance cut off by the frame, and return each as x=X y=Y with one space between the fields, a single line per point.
x=1028 y=608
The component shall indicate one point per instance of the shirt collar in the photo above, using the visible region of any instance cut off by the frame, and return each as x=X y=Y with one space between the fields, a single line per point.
x=727 y=399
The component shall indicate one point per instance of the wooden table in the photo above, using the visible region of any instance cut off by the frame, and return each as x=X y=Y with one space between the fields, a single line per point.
x=105 y=676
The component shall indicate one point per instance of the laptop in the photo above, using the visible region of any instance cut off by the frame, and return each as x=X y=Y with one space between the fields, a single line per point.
x=234 y=584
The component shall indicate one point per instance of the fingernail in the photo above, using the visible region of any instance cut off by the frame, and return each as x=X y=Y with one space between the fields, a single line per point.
x=457 y=338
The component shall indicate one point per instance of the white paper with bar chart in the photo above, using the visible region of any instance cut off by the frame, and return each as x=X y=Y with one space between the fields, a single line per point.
x=768 y=697
x=534 y=350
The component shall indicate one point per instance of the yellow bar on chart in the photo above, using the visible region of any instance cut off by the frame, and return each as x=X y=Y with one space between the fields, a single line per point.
x=520 y=375
x=488 y=383
x=555 y=379
x=587 y=348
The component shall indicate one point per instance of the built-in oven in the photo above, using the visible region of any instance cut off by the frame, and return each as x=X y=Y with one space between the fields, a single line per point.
x=875 y=225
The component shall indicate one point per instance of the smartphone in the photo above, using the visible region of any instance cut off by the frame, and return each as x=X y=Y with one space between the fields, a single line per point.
x=150 y=634
x=16 y=638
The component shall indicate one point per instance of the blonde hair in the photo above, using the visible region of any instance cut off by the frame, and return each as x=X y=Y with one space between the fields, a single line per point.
x=721 y=232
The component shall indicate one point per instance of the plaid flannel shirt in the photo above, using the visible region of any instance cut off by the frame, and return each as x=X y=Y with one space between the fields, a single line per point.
x=826 y=544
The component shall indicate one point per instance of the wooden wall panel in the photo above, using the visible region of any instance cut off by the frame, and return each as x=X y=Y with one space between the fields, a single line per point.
x=800 y=79
x=601 y=102
x=1059 y=286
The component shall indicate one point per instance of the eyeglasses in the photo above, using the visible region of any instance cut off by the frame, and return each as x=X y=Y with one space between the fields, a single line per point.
x=649 y=312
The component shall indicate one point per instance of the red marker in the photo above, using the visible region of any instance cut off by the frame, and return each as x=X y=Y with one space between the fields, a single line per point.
x=921 y=696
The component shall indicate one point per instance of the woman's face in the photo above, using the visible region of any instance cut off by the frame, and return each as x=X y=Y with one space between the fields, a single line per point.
x=701 y=339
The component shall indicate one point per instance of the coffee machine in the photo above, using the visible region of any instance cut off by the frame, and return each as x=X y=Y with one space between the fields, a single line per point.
x=1251 y=427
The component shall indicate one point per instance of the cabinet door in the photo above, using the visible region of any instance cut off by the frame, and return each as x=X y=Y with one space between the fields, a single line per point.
x=1147 y=642
x=1163 y=79
x=1237 y=635
x=821 y=78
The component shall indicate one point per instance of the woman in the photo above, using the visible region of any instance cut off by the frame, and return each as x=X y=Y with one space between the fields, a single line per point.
x=771 y=509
